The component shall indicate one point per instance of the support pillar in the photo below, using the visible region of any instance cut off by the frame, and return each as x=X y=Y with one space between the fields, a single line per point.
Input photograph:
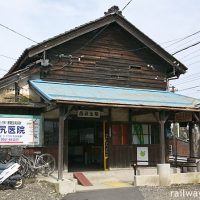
x=162 y=119
x=61 y=142
x=162 y=142
x=163 y=170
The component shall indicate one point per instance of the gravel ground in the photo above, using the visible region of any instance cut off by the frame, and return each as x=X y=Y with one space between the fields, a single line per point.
x=31 y=191
x=178 y=192
x=44 y=191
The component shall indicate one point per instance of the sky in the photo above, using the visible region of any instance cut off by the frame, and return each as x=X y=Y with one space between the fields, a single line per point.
x=161 y=20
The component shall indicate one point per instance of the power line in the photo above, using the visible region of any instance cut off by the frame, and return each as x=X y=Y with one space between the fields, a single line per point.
x=189 y=76
x=3 y=69
x=183 y=44
x=184 y=38
x=194 y=63
x=191 y=53
x=189 y=88
x=191 y=58
x=186 y=48
x=18 y=33
x=126 y=5
x=191 y=80
x=8 y=57
x=179 y=40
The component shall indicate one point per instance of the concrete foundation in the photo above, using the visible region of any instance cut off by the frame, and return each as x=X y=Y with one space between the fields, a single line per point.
x=154 y=171
x=163 y=171
x=65 y=186
x=185 y=178
x=146 y=180
x=147 y=171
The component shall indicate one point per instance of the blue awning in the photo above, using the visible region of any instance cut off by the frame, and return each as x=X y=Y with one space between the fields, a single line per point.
x=111 y=96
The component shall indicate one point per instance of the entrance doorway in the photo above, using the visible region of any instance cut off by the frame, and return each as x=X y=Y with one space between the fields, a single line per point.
x=85 y=147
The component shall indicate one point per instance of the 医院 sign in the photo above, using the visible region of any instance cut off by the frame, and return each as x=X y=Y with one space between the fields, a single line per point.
x=20 y=130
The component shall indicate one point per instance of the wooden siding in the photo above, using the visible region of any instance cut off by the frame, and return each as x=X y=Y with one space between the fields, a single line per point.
x=122 y=155
x=109 y=56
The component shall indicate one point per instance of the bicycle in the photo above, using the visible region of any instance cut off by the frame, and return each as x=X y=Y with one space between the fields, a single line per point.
x=14 y=154
x=42 y=163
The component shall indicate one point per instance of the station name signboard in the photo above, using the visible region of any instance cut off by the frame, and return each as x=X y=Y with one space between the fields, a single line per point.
x=89 y=113
x=20 y=130
x=183 y=117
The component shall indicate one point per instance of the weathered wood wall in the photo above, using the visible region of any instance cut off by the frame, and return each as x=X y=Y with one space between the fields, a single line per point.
x=109 y=56
x=122 y=155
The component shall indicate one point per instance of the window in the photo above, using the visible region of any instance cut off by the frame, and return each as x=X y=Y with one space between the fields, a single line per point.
x=180 y=130
x=145 y=134
x=50 y=132
x=119 y=134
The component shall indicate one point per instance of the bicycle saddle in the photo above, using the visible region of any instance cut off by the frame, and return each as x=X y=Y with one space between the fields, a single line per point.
x=37 y=152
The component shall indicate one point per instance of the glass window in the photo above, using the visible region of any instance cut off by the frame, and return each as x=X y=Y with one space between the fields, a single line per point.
x=50 y=132
x=145 y=134
x=119 y=134
x=180 y=130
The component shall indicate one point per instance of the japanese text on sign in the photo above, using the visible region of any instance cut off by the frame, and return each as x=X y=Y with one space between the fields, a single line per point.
x=20 y=130
x=89 y=113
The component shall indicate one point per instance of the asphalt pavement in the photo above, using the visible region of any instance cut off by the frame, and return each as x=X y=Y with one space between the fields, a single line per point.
x=111 y=194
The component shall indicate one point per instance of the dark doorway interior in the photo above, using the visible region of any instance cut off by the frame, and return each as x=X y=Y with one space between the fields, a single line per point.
x=85 y=145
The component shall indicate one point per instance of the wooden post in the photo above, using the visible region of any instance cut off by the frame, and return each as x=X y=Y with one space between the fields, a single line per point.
x=191 y=140
x=130 y=127
x=61 y=142
x=66 y=128
x=162 y=142
x=162 y=120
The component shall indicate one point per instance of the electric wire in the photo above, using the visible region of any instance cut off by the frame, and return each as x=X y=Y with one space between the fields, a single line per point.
x=179 y=40
x=126 y=5
x=197 y=86
x=184 y=38
x=191 y=58
x=193 y=63
x=8 y=57
x=28 y=38
x=181 y=45
x=3 y=69
x=185 y=48
x=191 y=53
x=188 y=81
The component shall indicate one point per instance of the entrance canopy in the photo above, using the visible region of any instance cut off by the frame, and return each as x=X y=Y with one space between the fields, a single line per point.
x=85 y=94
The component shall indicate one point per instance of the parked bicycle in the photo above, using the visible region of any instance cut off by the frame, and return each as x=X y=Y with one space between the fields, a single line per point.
x=41 y=163
x=31 y=166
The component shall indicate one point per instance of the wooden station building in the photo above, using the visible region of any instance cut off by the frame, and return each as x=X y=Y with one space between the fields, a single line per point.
x=100 y=95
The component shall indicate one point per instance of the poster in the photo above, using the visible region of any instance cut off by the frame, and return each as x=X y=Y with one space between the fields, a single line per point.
x=142 y=156
x=20 y=130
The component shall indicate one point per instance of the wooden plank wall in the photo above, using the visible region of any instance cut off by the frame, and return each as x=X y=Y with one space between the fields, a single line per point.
x=107 y=57
x=122 y=155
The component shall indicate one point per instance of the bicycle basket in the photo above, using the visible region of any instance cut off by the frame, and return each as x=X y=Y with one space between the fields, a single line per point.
x=16 y=151
x=3 y=154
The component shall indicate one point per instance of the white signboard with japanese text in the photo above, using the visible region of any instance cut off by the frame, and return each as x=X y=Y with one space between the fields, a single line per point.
x=142 y=156
x=20 y=130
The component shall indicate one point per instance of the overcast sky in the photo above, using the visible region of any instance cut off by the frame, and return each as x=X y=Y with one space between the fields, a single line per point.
x=161 y=20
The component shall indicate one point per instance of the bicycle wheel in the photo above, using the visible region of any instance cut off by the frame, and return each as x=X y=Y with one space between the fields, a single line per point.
x=23 y=166
x=46 y=164
x=31 y=171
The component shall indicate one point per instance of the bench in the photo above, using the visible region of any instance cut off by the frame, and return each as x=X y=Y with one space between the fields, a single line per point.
x=178 y=161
